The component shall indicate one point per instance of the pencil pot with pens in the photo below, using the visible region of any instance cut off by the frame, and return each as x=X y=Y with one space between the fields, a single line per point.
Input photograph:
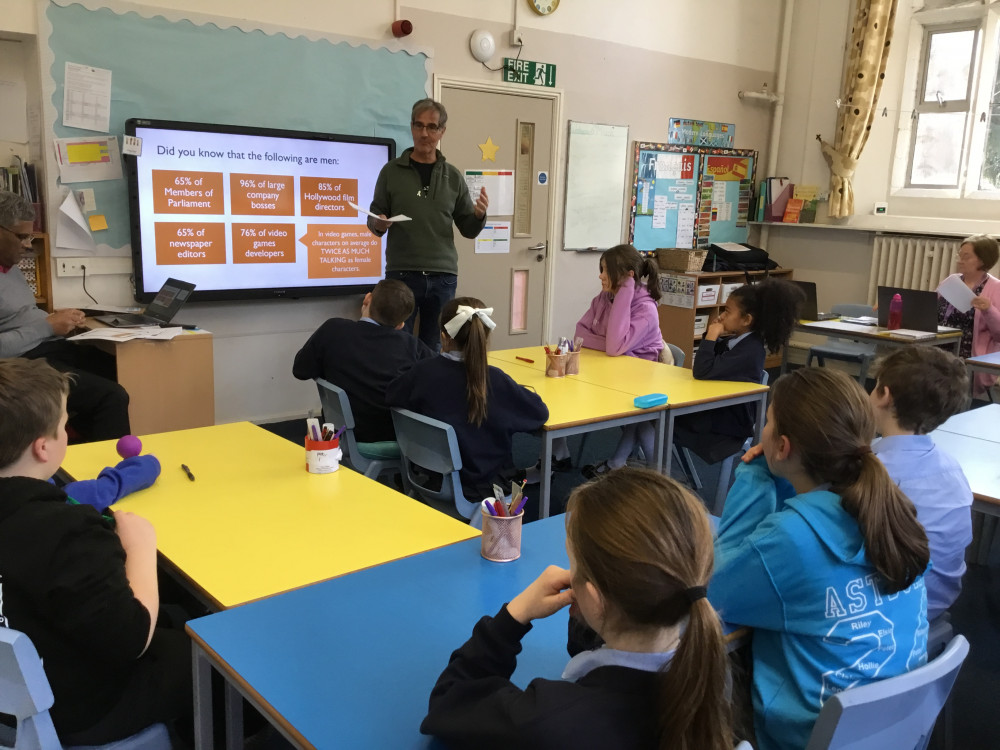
x=564 y=359
x=323 y=451
x=501 y=540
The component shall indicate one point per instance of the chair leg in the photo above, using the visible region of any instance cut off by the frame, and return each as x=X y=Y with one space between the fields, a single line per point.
x=688 y=463
x=722 y=489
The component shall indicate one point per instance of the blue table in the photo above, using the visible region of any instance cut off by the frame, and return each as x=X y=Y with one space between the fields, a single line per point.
x=350 y=662
x=986 y=363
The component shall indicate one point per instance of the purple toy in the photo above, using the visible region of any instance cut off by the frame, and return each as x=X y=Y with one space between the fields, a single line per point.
x=128 y=446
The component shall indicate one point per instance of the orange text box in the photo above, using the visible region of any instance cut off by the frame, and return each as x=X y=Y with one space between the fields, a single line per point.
x=327 y=196
x=262 y=194
x=338 y=251
x=176 y=192
x=263 y=243
x=180 y=243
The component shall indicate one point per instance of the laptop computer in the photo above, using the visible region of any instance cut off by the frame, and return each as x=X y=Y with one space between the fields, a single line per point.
x=919 y=308
x=809 y=309
x=165 y=305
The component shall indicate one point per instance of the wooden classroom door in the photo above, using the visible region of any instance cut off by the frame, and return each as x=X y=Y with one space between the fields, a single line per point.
x=497 y=131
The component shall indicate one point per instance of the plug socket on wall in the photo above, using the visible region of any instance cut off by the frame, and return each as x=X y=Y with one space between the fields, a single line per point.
x=516 y=38
x=95 y=266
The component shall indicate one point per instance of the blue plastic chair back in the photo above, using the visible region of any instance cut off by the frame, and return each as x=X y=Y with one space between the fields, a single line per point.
x=677 y=353
x=337 y=409
x=432 y=445
x=26 y=695
x=898 y=712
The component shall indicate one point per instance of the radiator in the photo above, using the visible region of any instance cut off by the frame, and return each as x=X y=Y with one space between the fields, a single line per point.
x=911 y=261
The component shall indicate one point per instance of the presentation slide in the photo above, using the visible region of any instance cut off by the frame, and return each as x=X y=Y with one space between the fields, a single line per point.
x=245 y=214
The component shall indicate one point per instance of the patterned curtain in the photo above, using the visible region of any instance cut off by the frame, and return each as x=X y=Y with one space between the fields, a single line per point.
x=866 y=59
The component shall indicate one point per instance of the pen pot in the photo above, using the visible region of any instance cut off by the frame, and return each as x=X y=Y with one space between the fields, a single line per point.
x=558 y=365
x=501 y=540
x=322 y=456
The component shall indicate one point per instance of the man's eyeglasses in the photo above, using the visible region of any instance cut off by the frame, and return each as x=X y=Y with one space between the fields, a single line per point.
x=24 y=238
x=430 y=127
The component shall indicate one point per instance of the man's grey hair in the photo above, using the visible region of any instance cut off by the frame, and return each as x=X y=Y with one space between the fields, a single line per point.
x=425 y=104
x=14 y=209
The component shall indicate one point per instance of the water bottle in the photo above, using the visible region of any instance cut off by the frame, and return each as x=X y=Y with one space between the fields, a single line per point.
x=896 y=312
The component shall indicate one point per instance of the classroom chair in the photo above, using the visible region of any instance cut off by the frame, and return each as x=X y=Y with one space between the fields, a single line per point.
x=25 y=694
x=432 y=445
x=846 y=351
x=898 y=712
x=676 y=351
x=712 y=449
x=371 y=459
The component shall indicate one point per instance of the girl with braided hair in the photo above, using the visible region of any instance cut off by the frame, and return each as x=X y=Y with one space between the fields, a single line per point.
x=640 y=553
x=821 y=554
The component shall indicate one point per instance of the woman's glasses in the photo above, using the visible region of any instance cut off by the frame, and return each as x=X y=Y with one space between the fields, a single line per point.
x=23 y=238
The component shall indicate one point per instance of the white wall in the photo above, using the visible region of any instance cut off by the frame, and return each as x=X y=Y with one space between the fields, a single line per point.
x=635 y=63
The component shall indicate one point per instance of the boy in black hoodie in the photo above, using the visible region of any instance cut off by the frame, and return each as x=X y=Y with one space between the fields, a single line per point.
x=81 y=586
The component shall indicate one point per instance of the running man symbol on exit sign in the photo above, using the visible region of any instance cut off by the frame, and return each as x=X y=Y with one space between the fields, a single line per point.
x=529 y=72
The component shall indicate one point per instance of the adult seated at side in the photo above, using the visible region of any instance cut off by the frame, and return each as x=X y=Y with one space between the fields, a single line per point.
x=98 y=406
x=364 y=356
x=917 y=389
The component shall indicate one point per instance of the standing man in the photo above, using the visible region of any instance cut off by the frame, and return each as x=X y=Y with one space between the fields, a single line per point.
x=97 y=405
x=422 y=185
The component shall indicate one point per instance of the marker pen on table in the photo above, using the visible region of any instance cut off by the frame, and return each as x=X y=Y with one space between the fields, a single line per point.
x=187 y=471
x=525 y=359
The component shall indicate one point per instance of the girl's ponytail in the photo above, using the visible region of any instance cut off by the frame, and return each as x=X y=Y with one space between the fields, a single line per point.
x=829 y=421
x=472 y=339
x=690 y=716
x=646 y=544
x=651 y=272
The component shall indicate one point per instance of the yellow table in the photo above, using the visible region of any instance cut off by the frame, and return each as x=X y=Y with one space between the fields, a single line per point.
x=601 y=396
x=255 y=523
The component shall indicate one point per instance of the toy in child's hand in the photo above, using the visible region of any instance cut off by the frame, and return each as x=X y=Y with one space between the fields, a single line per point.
x=128 y=446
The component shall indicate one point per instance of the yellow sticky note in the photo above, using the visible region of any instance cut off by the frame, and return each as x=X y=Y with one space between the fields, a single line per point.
x=97 y=222
x=93 y=152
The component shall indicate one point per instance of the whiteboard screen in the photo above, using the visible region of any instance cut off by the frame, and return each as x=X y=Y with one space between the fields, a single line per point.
x=595 y=185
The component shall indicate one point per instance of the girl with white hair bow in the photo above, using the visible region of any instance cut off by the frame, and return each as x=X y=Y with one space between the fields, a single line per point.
x=484 y=405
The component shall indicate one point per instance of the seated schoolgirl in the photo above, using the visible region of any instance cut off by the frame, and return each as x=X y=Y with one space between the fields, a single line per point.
x=640 y=554
x=484 y=405
x=622 y=320
x=821 y=554
x=756 y=317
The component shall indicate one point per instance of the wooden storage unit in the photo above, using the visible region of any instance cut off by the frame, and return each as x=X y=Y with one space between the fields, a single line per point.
x=36 y=268
x=677 y=323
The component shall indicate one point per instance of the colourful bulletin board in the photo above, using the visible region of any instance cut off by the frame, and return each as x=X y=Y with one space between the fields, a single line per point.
x=726 y=189
x=690 y=196
x=665 y=181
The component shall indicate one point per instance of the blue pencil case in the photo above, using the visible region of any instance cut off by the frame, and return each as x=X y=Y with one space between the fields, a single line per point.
x=650 y=400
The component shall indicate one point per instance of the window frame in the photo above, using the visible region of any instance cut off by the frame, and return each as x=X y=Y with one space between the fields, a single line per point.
x=985 y=18
x=923 y=107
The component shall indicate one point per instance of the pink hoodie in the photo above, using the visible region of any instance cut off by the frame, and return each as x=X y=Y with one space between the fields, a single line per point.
x=628 y=325
x=986 y=332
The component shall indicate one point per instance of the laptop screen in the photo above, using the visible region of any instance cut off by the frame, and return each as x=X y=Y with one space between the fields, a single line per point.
x=919 y=308
x=171 y=297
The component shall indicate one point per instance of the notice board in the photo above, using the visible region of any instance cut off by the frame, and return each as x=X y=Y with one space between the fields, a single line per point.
x=690 y=196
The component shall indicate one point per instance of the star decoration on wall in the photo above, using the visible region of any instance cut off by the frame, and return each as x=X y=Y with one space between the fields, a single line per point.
x=489 y=149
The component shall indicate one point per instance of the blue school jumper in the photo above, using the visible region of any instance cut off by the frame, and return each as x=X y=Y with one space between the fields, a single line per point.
x=794 y=568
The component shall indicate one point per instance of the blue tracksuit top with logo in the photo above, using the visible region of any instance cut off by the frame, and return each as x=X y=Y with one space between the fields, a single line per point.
x=793 y=567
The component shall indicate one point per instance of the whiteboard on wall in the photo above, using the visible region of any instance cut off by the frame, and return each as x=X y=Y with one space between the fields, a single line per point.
x=597 y=160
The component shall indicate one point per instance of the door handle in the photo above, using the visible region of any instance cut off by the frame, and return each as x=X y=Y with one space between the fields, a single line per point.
x=540 y=249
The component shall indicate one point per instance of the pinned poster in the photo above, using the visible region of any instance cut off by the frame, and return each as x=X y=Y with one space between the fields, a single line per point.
x=87 y=97
x=88 y=159
x=495 y=238
x=499 y=186
x=73 y=230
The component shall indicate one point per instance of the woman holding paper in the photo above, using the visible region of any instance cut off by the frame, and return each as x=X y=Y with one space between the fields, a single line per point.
x=970 y=301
